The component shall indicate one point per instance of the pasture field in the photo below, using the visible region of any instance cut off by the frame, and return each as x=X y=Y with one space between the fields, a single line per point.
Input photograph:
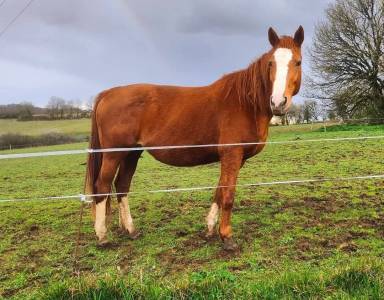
x=297 y=241
x=73 y=127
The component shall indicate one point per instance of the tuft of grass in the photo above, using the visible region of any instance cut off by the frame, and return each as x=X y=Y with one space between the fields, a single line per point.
x=359 y=280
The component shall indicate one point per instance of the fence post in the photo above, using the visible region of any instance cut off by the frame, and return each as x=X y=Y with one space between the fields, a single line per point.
x=10 y=147
x=325 y=126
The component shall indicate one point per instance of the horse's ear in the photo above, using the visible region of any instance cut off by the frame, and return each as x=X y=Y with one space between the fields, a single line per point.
x=299 y=36
x=273 y=37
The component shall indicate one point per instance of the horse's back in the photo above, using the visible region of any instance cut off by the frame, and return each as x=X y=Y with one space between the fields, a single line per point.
x=152 y=115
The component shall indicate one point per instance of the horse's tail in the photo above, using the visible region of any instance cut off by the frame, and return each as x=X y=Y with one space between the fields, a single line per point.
x=94 y=158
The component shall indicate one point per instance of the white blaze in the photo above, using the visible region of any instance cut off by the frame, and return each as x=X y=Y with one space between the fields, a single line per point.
x=100 y=227
x=125 y=215
x=212 y=217
x=282 y=58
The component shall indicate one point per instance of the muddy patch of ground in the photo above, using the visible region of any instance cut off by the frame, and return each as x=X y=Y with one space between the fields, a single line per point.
x=124 y=262
x=173 y=261
x=327 y=204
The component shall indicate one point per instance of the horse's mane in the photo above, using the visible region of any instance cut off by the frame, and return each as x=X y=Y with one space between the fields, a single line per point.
x=248 y=86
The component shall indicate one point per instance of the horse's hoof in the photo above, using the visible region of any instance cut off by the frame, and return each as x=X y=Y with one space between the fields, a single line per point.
x=210 y=234
x=229 y=244
x=134 y=235
x=104 y=243
x=121 y=231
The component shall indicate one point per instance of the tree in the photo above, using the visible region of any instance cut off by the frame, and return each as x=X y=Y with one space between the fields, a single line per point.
x=295 y=114
x=56 y=107
x=347 y=59
x=25 y=111
x=331 y=115
x=311 y=111
x=77 y=104
x=89 y=103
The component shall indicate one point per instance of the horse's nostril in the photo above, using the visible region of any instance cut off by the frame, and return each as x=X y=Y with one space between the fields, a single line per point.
x=285 y=101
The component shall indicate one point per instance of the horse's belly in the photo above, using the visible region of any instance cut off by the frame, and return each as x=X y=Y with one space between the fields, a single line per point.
x=184 y=157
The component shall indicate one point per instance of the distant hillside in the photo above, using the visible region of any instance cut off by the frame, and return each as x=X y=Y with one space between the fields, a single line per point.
x=12 y=111
x=56 y=110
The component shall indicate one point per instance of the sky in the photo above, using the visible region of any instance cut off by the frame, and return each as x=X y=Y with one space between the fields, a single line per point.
x=74 y=49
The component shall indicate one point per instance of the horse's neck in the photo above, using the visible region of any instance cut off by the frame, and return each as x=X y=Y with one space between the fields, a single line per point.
x=262 y=127
x=249 y=90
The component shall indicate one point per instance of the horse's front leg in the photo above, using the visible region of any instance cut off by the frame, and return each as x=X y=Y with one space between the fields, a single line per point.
x=231 y=162
x=213 y=214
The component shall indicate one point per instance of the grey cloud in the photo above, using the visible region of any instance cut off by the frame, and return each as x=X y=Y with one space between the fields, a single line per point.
x=75 y=48
x=222 y=17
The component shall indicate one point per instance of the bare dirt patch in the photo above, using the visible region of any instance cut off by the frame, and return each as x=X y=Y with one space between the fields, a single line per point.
x=174 y=261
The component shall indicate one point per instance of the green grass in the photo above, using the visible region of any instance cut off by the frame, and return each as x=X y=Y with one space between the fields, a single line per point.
x=360 y=280
x=353 y=127
x=308 y=241
x=73 y=127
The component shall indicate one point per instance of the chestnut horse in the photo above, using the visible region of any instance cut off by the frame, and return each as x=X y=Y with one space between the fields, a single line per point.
x=235 y=109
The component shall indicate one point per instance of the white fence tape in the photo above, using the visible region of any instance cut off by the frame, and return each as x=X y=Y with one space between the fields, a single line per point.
x=53 y=198
x=82 y=151
x=85 y=198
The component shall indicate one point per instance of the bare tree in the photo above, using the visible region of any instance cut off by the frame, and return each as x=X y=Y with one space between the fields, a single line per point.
x=56 y=107
x=89 y=103
x=295 y=114
x=347 y=59
x=311 y=111
x=25 y=111
x=77 y=103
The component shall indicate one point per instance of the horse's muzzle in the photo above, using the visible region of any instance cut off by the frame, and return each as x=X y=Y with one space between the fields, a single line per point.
x=279 y=106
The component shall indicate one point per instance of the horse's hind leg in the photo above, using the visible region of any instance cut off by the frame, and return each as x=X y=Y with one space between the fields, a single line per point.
x=123 y=183
x=213 y=215
x=103 y=186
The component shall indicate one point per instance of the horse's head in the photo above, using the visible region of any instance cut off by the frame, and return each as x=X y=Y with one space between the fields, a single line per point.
x=284 y=66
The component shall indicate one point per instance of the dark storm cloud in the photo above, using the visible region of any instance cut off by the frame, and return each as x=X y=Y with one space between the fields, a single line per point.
x=75 y=48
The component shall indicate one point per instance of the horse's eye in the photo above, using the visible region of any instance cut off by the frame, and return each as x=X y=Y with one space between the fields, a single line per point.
x=269 y=64
x=298 y=63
